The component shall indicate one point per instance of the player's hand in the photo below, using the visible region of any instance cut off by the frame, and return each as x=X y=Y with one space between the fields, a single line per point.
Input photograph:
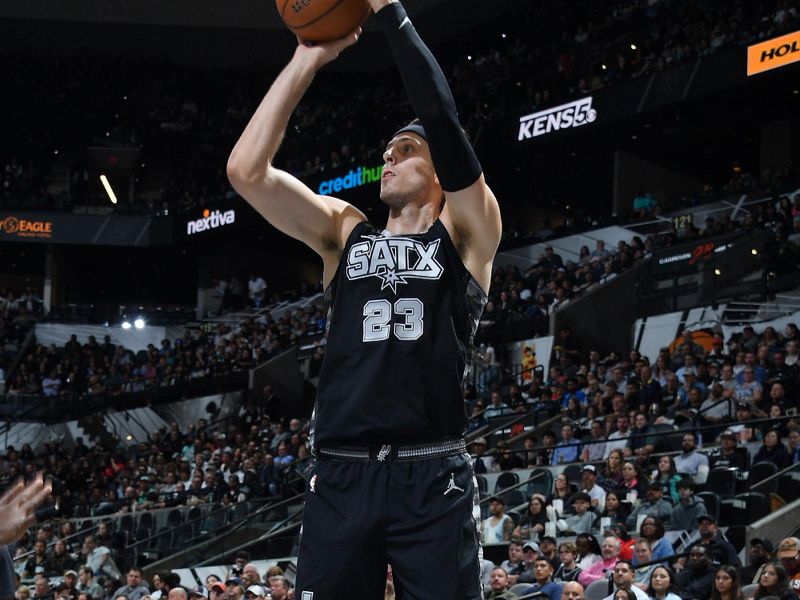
x=326 y=52
x=18 y=506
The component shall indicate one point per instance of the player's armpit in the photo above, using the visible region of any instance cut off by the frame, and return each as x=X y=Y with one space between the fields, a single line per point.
x=473 y=219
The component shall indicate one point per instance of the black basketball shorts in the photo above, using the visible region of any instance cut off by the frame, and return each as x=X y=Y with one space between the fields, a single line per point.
x=419 y=516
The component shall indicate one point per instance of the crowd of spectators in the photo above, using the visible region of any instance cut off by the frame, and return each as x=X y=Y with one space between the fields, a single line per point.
x=99 y=369
x=740 y=393
x=187 y=118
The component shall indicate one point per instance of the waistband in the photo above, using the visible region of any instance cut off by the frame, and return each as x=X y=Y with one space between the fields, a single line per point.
x=393 y=452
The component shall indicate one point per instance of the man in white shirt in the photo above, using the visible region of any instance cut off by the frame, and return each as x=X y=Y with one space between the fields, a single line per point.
x=619 y=439
x=596 y=493
x=256 y=288
x=690 y=460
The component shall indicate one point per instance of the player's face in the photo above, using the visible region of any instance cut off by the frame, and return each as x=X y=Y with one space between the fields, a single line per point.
x=408 y=173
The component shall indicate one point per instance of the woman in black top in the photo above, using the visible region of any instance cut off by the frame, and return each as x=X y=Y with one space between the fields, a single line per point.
x=533 y=521
x=774 y=581
x=772 y=450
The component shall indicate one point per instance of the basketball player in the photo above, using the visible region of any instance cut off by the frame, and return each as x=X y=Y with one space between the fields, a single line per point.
x=391 y=482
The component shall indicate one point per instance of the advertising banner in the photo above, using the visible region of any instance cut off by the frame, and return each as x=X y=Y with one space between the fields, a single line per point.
x=774 y=53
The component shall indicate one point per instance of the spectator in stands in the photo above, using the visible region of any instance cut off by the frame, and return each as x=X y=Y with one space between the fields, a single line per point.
x=589 y=482
x=690 y=460
x=498 y=526
x=634 y=481
x=530 y=552
x=562 y=490
x=87 y=584
x=568 y=570
x=250 y=575
x=497 y=407
x=727 y=456
x=717 y=547
x=662 y=584
x=644 y=554
x=772 y=450
x=623 y=578
x=543 y=570
x=198 y=593
x=499 y=586
x=61 y=561
x=134 y=588
x=548 y=548
x=612 y=478
x=572 y=591
x=588 y=550
x=515 y=563
x=618 y=440
x=726 y=584
x=760 y=551
x=689 y=508
x=789 y=557
x=568 y=450
x=39 y=560
x=614 y=509
x=602 y=569
x=696 y=580
x=774 y=581
x=594 y=448
x=793 y=449
x=41 y=589
x=654 y=505
x=533 y=521
x=652 y=529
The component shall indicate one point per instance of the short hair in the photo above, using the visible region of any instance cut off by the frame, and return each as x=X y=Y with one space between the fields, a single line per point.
x=622 y=561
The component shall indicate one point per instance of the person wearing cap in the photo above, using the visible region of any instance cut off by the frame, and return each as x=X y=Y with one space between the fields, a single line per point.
x=760 y=551
x=481 y=464
x=543 y=571
x=71 y=581
x=530 y=552
x=654 y=505
x=234 y=588
x=719 y=549
x=748 y=389
x=217 y=591
x=689 y=508
x=255 y=592
x=727 y=456
x=394 y=292
x=590 y=487
x=789 y=556
x=497 y=528
x=134 y=588
x=548 y=548
x=198 y=593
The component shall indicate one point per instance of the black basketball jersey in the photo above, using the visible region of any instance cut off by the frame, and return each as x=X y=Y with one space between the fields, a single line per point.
x=403 y=311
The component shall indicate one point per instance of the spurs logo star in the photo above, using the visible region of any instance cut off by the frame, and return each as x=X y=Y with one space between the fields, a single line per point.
x=390 y=279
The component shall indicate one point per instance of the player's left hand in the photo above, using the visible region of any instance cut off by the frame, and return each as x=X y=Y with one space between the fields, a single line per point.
x=18 y=507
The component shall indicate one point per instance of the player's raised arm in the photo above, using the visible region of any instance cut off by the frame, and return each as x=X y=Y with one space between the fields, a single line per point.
x=471 y=214
x=322 y=223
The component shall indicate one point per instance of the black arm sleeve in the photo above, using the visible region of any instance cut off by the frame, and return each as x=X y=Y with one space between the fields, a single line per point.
x=453 y=156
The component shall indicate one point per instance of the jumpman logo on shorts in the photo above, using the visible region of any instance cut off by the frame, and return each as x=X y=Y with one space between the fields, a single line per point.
x=451 y=486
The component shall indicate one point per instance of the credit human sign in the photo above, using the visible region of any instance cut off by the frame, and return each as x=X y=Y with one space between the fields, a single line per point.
x=774 y=53
x=210 y=220
x=572 y=114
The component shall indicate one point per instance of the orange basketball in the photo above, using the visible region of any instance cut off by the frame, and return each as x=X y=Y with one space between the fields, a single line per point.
x=322 y=20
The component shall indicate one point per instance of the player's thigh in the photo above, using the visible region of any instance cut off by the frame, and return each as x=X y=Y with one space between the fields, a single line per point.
x=341 y=551
x=432 y=537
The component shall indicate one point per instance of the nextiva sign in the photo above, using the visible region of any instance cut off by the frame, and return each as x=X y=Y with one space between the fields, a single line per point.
x=210 y=220
x=565 y=116
x=352 y=179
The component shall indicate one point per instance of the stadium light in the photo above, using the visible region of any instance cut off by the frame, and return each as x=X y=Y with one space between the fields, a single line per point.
x=139 y=323
x=111 y=195
x=633 y=46
x=754 y=252
x=126 y=324
x=717 y=272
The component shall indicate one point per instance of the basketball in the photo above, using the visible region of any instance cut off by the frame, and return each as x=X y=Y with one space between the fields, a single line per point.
x=322 y=20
